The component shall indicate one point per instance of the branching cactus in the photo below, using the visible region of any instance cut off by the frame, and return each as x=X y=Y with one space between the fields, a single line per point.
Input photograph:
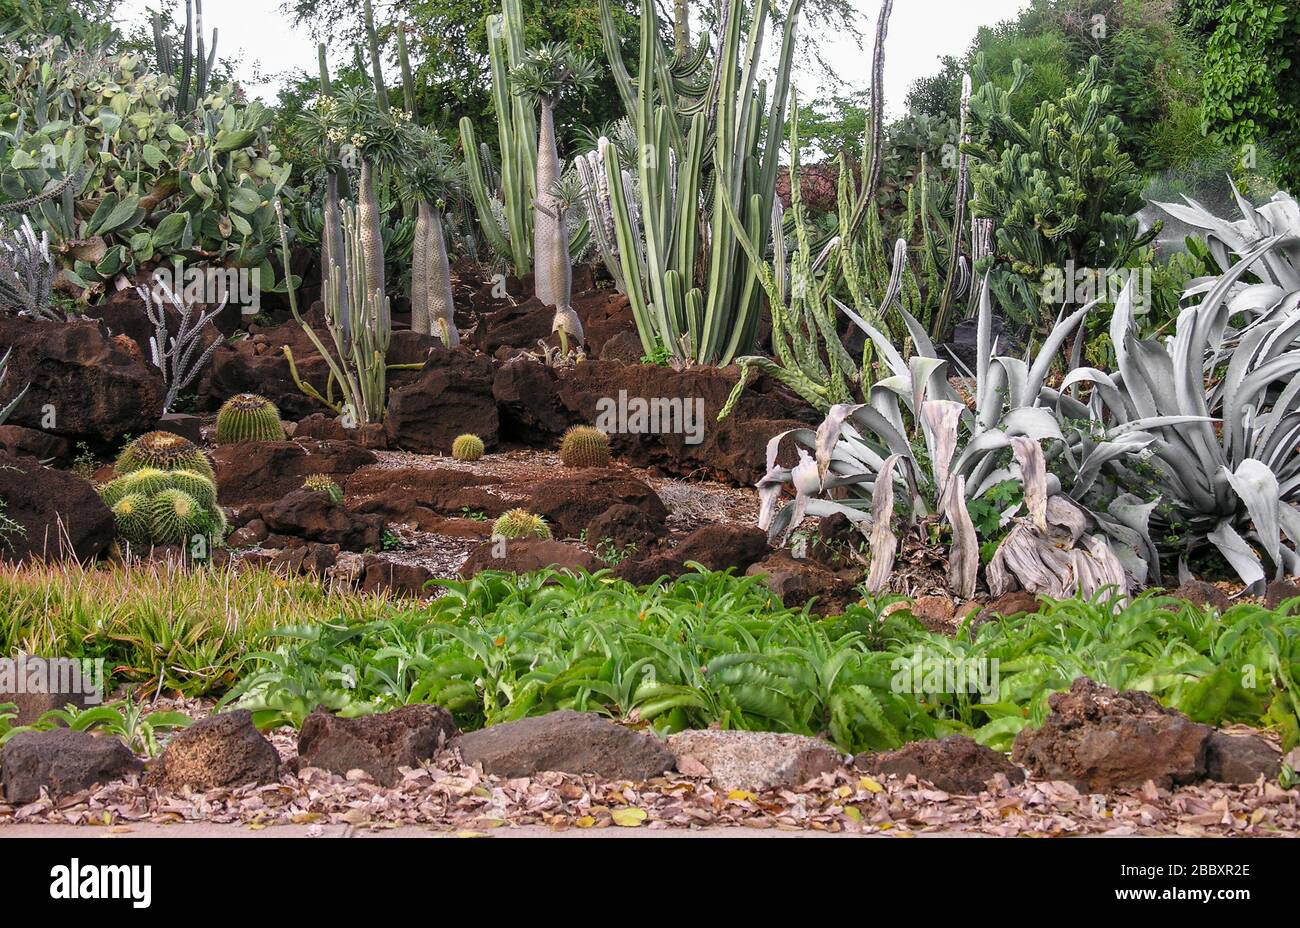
x=182 y=356
x=27 y=273
x=543 y=76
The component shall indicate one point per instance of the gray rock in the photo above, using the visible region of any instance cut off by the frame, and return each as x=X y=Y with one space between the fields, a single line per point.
x=35 y=685
x=62 y=761
x=1231 y=758
x=567 y=741
x=753 y=760
x=378 y=744
x=221 y=750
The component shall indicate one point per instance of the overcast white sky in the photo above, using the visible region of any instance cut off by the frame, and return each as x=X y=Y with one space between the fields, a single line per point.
x=920 y=32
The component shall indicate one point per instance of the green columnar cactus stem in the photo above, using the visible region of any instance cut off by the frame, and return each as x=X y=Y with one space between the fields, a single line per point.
x=248 y=417
x=372 y=42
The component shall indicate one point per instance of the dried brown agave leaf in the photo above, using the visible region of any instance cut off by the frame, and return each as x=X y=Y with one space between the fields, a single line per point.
x=963 y=557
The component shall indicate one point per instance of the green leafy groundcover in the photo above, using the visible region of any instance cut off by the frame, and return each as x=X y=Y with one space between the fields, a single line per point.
x=713 y=648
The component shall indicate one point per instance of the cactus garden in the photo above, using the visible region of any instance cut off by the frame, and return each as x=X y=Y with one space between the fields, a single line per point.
x=530 y=400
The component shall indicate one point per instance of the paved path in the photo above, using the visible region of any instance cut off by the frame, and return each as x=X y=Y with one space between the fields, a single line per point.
x=203 y=830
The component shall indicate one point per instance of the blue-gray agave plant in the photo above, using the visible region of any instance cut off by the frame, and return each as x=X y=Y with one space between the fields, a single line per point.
x=950 y=456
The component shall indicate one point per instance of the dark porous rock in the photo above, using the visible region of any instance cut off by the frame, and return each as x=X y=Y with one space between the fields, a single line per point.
x=450 y=396
x=1098 y=740
x=14 y=439
x=185 y=425
x=1241 y=758
x=570 y=500
x=798 y=581
x=222 y=750
x=35 y=685
x=1200 y=593
x=567 y=741
x=83 y=383
x=1279 y=591
x=396 y=492
x=309 y=558
x=63 y=762
x=381 y=574
x=625 y=347
x=313 y=516
x=252 y=532
x=379 y=744
x=59 y=513
x=521 y=556
x=321 y=426
x=528 y=400
x=956 y=764
x=521 y=325
x=753 y=760
x=624 y=526
x=255 y=472
x=257 y=364
x=714 y=547
x=1016 y=602
x=836 y=540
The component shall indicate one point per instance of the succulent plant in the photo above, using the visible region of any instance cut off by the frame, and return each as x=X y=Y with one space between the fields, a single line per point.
x=584 y=446
x=143 y=482
x=248 y=417
x=197 y=485
x=520 y=523
x=131 y=518
x=323 y=483
x=164 y=451
x=175 y=517
x=467 y=448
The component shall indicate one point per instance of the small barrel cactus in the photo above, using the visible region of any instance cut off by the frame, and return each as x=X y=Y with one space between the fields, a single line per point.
x=248 y=417
x=584 y=446
x=143 y=482
x=196 y=485
x=321 y=483
x=467 y=448
x=164 y=451
x=520 y=523
x=131 y=515
x=175 y=517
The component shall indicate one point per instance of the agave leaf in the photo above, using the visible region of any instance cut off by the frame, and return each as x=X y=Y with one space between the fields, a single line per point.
x=963 y=555
x=939 y=421
x=1239 y=554
x=1033 y=475
x=883 y=541
x=1255 y=484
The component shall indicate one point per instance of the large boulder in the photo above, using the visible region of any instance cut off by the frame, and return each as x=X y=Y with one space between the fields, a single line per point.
x=1098 y=740
x=379 y=744
x=567 y=741
x=570 y=500
x=525 y=555
x=395 y=492
x=36 y=685
x=956 y=764
x=58 y=513
x=714 y=547
x=264 y=471
x=385 y=575
x=753 y=760
x=313 y=516
x=83 y=383
x=223 y=750
x=62 y=761
x=452 y=395
x=14 y=439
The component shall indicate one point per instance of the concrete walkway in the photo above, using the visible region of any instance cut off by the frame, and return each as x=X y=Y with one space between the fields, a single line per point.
x=204 y=830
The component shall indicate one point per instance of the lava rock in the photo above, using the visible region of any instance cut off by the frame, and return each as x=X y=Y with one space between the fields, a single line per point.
x=1098 y=740
x=570 y=501
x=63 y=762
x=46 y=684
x=16 y=440
x=379 y=744
x=956 y=764
x=255 y=472
x=309 y=558
x=223 y=750
x=799 y=581
x=567 y=741
x=521 y=556
x=1200 y=593
x=624 y=526
x=60 y=514
x=1241 y=758
x=452 y=395
x=381 y=574
x=753 y=760
x=714 y=547
x=313 y=516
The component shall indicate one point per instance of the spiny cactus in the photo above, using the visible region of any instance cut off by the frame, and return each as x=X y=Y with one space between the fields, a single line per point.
x=165 y=451
x=520 y=523
x=175 y=517
x=196 y=485
x=584 y=446
x=143 y=482
x=321 y=483
x=248 y=417
x=467 y=448
x=131 y=516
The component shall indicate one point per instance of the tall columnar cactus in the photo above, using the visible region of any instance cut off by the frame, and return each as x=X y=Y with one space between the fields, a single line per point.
x=706 y=318
x=358 y=368
x=195 y=67
x=335 y=181
x=430 y=180
x=517 y=138
x=542 y=77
